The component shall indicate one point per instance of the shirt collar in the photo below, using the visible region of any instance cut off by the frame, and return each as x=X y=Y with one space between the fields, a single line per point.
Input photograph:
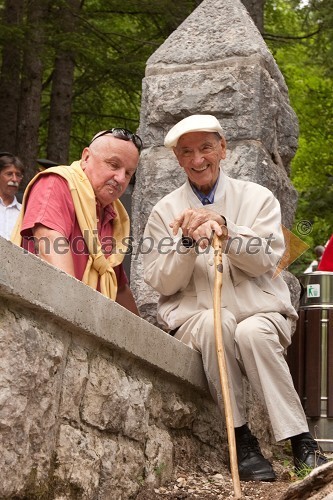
x=14 y=203
x=109 y=212
x=206 y=199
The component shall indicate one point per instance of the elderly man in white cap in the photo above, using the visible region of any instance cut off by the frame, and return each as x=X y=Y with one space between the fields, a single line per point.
x=257 y=311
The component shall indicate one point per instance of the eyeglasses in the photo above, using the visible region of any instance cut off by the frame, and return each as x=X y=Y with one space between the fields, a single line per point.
x=122 y=133
x=10 y=175
x=2 y=166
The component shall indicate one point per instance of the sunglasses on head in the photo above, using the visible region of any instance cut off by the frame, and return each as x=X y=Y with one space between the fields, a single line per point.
x=122 y=133
x=5 y=153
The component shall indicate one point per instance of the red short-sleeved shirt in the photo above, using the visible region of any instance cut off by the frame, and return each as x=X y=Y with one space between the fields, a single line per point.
x=50 y=203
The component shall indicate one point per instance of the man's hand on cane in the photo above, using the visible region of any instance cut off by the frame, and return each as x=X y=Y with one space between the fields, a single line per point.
x=200 y=224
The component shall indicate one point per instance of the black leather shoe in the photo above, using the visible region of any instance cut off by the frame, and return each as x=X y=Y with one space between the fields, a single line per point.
x=306 y=452
x=252 y=465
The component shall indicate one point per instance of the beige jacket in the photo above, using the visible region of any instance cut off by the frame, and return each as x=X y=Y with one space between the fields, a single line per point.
x=185 y=277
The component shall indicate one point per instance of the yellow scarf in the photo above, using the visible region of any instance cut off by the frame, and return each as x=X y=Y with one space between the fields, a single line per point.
x=85 y=209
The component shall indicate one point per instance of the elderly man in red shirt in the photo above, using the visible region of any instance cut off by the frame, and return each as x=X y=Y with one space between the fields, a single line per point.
x=73 y=219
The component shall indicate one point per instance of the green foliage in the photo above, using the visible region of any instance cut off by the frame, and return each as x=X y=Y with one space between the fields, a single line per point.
x=118 y=40
x=113 y=40
x=300 y=37
x=111 y=43
x=302 y=472
x=322 y=11
x=159 y=469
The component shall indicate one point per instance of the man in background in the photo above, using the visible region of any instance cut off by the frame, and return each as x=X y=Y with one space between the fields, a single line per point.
x=11 y=175
x=318 y=250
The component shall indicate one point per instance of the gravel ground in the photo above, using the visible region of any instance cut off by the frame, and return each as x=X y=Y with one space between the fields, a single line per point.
x=208 y=484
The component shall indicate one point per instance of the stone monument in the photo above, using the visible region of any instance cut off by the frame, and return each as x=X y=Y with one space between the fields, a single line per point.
x=217 y=63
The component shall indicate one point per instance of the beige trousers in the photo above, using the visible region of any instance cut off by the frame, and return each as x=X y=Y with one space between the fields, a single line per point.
x=254 y=348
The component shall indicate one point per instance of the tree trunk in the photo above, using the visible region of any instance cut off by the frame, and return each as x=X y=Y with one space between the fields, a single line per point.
x=31 y=87
x=62 y=89
x=10 y=77
x=256 y=10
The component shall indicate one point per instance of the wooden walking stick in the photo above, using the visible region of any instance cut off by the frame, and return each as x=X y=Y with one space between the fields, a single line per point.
x=217 y=244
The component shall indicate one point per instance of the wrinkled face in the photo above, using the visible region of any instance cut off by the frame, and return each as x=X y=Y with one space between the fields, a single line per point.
x=199 y=154
x=109 y=164
x=10 y=180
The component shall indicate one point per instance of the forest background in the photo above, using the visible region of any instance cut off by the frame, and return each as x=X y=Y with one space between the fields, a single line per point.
x=72 y=67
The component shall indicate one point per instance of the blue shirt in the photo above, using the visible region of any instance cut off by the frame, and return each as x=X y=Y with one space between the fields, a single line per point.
x=206 y=199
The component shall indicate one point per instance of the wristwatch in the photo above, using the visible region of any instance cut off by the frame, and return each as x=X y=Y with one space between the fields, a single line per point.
x=188 y=242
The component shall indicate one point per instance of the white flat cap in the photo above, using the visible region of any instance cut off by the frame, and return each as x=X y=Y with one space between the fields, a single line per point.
x=193 y=123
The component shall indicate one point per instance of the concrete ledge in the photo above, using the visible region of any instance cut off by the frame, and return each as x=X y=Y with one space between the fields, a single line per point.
x=26 y=278
x=99 y=399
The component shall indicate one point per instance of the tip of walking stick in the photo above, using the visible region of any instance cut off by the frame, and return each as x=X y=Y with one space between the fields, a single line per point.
x=237 y=490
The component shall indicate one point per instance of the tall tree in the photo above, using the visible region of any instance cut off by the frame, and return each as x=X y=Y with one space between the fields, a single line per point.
x=62 y=82
x=31 y=85
x=300 y=37
x=118 y=40
x=10 y=73
x=94 y=57
x=256 y=10
x=322 y=12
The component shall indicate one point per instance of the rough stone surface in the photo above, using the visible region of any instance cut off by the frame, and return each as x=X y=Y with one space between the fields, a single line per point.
x=231 y=34
x=74 y=382
x=63 y=387
x=216 y=62
x=32 y=360
x=252 y=163
x=103 y=403
x=242 y=95
x=295 y=291
x=42 y=288
x=79 y=455
x=116 y=402
x=159 y=451
x=161 y=170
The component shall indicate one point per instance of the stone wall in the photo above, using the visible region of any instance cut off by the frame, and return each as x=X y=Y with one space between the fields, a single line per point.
x=217 y=63
x=93 y=399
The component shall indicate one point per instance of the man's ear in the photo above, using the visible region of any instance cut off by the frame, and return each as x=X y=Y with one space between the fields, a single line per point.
x=223 y=143
x=84 y=158
x=175 y=153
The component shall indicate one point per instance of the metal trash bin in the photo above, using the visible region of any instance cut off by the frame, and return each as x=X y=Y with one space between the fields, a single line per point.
x=310 y=356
